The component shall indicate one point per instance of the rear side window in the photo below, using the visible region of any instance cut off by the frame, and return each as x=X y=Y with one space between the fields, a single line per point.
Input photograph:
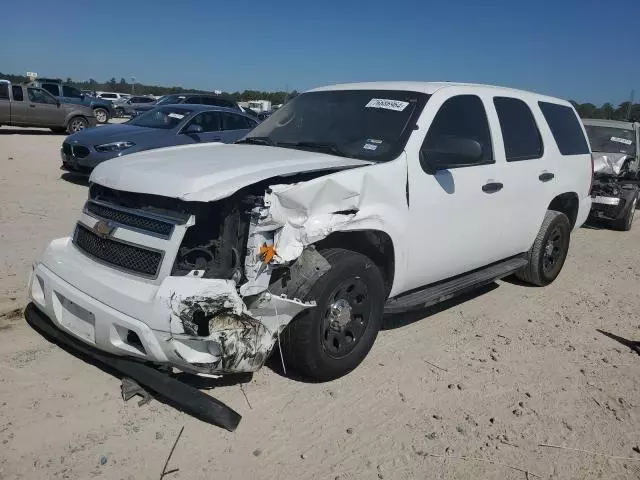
x=522 y=140
x=231 y=121
x=565 y=127
x=108 y=95
x=17 y=93
x=52 y=88
x=4 y=91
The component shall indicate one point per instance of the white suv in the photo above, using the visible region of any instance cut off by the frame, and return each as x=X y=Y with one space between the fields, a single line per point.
x=351 y=200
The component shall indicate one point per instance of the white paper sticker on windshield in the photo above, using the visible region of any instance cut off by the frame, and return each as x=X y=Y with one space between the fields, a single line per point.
x=374 y=140
x=176 y=115
x=621 y=140
x=368 y=146
x=387 y=104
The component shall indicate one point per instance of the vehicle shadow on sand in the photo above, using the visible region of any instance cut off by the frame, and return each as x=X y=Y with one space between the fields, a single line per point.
x=28 y=131
x=76 y=178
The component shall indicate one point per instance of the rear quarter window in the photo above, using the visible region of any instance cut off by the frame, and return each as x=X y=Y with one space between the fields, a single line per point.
x=565 y=127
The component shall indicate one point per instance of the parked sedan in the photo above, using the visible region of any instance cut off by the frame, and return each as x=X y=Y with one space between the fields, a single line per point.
x=162 y=127
x=129 y=105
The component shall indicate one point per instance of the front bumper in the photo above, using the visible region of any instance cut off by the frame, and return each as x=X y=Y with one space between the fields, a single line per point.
x=151 y=319
x=85 y=164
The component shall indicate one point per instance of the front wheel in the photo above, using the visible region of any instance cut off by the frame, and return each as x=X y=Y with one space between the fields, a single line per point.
x=626 y=222
x=549 y=251
x=77 y=124
x=330 y=340
x=102 y=116
x=119 y=112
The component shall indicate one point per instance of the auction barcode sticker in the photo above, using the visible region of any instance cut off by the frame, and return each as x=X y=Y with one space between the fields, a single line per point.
x=621 y=140
x=387 y=104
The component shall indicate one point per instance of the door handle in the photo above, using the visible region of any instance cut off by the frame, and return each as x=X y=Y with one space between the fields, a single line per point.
x=32 y=106
x=216 y=139
x=492 y=187
x=546 y=176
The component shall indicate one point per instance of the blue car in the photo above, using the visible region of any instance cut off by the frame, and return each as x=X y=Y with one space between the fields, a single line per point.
x=163 y=126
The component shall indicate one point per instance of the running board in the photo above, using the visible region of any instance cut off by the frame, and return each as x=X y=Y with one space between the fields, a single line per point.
x=457 y=286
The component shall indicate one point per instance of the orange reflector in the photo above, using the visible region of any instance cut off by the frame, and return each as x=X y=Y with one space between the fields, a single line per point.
x=267 y=252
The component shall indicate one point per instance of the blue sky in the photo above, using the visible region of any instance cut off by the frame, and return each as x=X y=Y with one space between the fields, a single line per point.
x=587 y=51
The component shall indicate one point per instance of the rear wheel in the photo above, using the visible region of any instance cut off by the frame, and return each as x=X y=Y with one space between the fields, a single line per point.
x=102 y=116
x=330 y=340
x=77 y=124
x=119 y=112
x=549 y=251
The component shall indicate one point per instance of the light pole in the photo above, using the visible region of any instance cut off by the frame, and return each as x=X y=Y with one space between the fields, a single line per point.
x=133 y=85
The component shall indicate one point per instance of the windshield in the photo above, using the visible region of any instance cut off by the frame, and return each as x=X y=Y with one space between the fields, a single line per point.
x=162 y=117
x=366 y=124
x=169 y=99
x=611 y=139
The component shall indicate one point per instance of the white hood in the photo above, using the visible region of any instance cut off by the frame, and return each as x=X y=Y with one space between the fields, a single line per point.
x=209 y=172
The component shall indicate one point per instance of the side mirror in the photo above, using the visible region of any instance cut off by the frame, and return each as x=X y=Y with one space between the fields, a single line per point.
x=194 y=128
x=451 y=152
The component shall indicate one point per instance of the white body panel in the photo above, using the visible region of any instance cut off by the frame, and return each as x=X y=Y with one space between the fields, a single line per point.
x=441 y=224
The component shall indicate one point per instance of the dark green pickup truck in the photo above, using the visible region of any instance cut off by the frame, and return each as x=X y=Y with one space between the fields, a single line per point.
x=27 y=106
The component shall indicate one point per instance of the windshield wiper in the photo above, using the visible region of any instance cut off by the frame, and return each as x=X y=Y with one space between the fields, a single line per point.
x=257 y=141
x=318 y=146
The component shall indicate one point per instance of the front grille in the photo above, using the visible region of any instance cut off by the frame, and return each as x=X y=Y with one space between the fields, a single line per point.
x=120 y=254
x=130 y=219
x=80 y=151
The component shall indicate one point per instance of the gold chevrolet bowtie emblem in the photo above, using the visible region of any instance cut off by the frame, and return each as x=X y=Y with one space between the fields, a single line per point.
x=103 y=229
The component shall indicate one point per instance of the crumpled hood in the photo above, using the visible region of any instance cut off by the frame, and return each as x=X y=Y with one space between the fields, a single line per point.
x=209 y=172
x=608 y=163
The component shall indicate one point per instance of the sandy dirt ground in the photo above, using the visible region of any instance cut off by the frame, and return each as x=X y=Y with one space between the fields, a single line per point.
x=488 y=378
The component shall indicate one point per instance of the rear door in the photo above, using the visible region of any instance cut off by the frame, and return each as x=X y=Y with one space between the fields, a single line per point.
x=19 y=107
x=5 y=104
x=44 y=109
x=235 y=126
x=527 y=169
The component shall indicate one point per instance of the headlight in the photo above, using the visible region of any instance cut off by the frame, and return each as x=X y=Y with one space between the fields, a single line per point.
x=114 y=146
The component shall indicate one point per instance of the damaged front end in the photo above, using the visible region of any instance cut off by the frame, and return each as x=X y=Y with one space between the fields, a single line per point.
x=612 y=194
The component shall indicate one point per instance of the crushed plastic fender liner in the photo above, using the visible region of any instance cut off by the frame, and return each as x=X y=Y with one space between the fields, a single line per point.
x=215 y=332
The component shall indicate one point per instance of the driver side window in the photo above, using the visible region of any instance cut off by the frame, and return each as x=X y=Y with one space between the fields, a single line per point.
x=37 y=95
x=71 y=92
x=460 y=124
x=209 y=121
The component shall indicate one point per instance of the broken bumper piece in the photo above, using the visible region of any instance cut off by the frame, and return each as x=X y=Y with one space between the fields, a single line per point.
x=181 y=395
x=196 y=325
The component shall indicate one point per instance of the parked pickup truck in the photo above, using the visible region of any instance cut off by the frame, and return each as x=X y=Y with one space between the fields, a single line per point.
x=616 y=157
x=27 y=106
x=348 y=202
x=102 y=109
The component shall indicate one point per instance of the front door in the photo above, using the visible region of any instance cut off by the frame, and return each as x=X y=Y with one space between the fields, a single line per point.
x=44 y=109
x=458 y=214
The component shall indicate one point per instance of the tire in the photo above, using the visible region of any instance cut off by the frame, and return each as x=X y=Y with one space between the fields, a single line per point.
x=101 y=114
x=76 y=124
x=58 y=129
x=626 y=222
x=316 y=342
x=119 y=112
x=549 y=251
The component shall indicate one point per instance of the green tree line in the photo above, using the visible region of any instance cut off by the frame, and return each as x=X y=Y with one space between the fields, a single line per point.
x=122 y=86
x=624 y=111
